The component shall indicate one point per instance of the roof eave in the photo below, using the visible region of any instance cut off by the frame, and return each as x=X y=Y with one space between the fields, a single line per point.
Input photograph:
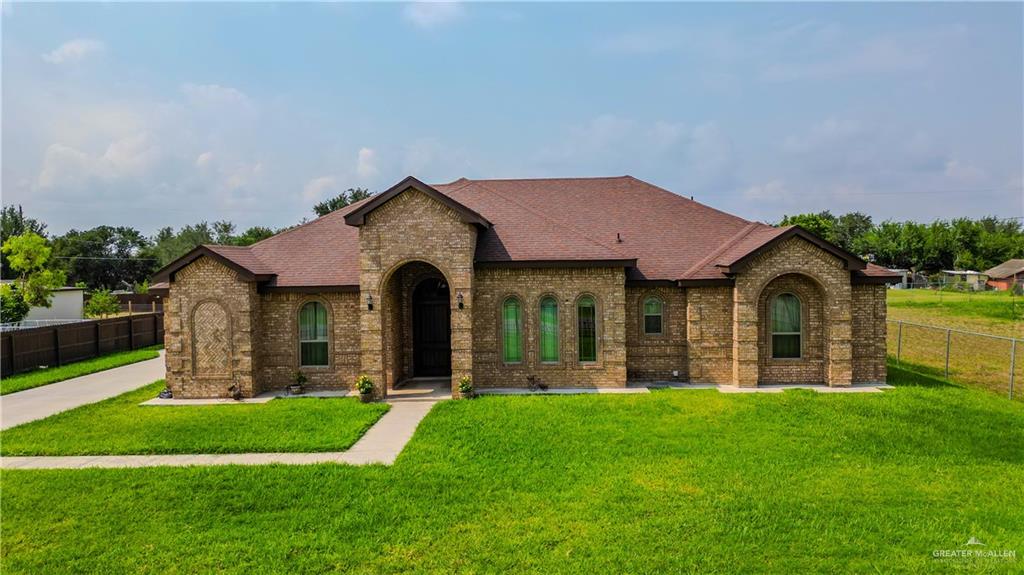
x=575 y=263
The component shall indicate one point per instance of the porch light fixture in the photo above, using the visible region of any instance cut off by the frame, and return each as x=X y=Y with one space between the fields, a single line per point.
x=369 y=302
x=458 y=299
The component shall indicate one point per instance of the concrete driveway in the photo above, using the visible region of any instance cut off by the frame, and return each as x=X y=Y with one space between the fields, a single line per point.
x=44 y=401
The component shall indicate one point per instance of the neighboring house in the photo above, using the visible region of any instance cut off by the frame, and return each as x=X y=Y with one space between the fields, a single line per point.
x=584 y=282
x=905 y=278
x=66 y=303
x=1006 y=275
x=967 y=279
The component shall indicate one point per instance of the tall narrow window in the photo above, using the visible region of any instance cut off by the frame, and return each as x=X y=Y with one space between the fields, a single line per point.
x=786 y=326
x=653 y=310
x=313 y=334
x=511 y=331
x=549 y=330
x=586 y=328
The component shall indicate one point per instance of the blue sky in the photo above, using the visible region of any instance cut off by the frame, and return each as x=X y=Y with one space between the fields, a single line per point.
x=167 y=114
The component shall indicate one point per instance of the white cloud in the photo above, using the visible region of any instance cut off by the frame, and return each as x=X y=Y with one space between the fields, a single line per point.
x=73 y=51
x=65 y=166
x=315 y=189
x=366 y=165
x=429 y=15
x=203 y=160
x=208 y=95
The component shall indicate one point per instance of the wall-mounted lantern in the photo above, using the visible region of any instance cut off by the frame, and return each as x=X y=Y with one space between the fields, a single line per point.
x=458 y=299
x=369 y=302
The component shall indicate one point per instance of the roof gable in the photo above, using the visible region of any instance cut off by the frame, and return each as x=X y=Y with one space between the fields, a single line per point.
x=240 y=259
x=735 y=262
x=357 y=217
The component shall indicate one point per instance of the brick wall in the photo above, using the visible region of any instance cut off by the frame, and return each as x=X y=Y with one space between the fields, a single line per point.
x=655 y=357
x=709 y=334
x=530 y=285
x=278 y=346
x=869 y=332
x=211 y=322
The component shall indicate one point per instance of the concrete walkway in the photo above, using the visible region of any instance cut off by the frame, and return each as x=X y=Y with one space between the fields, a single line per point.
x=381 y=444
x=46 y=400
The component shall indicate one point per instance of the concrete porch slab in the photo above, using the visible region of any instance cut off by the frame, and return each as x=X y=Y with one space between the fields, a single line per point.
x=563 y=391
x=856 y=388
x=261 y=398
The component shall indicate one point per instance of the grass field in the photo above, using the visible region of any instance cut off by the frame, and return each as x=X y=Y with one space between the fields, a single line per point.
x=121 y=426
x=50 y=375
x=997 y=313
x=673 y=481
x=973 y=360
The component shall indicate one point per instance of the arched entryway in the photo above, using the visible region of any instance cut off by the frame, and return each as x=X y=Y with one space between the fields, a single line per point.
x=416 y=313
x=431 y=329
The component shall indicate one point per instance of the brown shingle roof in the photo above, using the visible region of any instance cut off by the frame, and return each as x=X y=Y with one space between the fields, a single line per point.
x=1006 y=269
x=656 y=234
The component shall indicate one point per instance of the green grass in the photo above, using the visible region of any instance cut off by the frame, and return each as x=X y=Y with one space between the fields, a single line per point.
x=994 y=312
x=120 y=426
x=50 y=375
x=673 y=481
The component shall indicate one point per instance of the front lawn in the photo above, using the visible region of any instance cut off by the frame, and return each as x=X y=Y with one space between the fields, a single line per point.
x=120 y=426
x=673 y=481
x=46 y=376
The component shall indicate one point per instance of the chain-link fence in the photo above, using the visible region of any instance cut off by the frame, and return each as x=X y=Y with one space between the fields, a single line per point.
x=982 y=360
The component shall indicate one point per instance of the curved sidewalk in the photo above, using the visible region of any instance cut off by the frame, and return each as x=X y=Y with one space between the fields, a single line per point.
x=44 y=401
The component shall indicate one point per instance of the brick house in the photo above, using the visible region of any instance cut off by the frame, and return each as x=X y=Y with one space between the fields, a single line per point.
x=581 y=282
x=1006 y=275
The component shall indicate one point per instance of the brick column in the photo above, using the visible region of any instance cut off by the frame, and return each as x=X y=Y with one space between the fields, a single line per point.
x=744 y=337
x=839 y=343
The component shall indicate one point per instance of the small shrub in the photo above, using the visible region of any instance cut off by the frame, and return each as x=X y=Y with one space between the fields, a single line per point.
x=364 y=384
x=101 y=304
x=466 y=386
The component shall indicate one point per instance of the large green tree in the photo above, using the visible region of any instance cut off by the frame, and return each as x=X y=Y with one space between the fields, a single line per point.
x=169 y=245
x=105 y=257
x=29 y=258
x=14 y=223
x=349 y=196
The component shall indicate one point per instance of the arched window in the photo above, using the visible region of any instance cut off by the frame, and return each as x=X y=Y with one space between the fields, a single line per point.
x=653 y=311
x=586 y=328
x=511 y=331
x=313 y=335
x=786 y=326
x=549 y=330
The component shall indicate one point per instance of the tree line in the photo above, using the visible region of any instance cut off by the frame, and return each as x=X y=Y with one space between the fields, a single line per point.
x=106 y=258
x=960 y=243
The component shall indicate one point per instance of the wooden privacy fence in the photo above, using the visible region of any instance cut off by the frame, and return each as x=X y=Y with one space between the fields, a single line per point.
x=27 y=349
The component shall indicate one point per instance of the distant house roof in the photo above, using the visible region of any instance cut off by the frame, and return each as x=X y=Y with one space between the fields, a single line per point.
x=963 y=272
x=1006 y=269
x=622 y=221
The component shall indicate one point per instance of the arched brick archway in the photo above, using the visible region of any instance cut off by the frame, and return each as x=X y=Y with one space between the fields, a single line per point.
x=415 y=323
x=809 y=367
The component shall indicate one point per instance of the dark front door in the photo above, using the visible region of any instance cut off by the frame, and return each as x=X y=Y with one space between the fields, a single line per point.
x=431 y=322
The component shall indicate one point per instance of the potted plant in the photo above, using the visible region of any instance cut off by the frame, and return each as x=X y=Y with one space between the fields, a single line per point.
x=300 y=381
x=365 y=387
x=466 y=387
